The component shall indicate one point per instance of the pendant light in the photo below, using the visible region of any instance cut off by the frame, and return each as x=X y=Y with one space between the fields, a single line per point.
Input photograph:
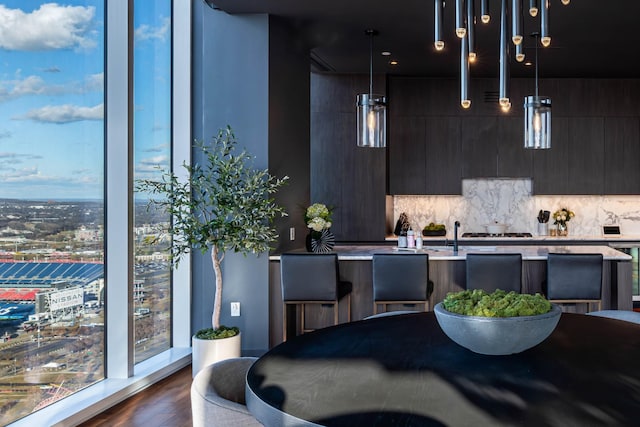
x=372 y=110
x=537 y=116
x=484 y=11
x=545 y=38
x=503 y=85
x=438 y=41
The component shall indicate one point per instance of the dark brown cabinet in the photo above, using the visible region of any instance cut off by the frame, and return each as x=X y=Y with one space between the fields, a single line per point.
x=424 y=155
x=595 y=145
x=349 y=178
x=550 y=171
x=621 y=155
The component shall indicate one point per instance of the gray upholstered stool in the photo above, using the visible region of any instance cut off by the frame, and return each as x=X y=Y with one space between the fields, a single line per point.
x=400 y=279
x=218 y=394
x=574 y=278
x=310 y=278
x=494 y=271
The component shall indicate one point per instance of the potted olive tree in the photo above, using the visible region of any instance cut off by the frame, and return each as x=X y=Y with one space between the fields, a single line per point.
x=225 y=205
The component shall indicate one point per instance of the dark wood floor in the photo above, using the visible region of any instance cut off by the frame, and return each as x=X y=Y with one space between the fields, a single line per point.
x=164 y=404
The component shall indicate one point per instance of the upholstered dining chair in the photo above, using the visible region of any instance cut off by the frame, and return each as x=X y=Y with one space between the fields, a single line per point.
x=494 y=271
x=311 y=278
x=218 y=395
x=625 y=315
x=401 y=279
x=574 y=278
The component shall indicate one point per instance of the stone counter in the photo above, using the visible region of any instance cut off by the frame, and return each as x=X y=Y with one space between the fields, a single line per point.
x=445 y=253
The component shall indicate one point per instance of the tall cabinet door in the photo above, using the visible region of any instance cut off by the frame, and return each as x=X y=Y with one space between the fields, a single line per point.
x=407 y=173
x=443 y=168
x=621 y=155
x=586 y=155
x=550 y=167
x=479 y=137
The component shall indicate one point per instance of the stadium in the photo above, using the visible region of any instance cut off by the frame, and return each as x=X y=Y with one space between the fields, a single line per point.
x=49 y=289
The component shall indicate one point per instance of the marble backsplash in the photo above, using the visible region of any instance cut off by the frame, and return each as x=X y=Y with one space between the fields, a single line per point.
x=510 y=202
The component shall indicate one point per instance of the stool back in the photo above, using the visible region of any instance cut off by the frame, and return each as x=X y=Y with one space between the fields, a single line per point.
x=309 y=277
x=494 y=271
x=400 y=277
x=574 y=276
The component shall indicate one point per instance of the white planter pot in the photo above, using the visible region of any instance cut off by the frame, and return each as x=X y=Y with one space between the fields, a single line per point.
x=207 y=352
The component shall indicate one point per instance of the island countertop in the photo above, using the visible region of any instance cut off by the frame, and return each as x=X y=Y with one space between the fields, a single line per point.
x=445 y=253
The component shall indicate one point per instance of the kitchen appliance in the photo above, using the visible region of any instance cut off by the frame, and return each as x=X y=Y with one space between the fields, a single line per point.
x=496 y=228
x=509 y=234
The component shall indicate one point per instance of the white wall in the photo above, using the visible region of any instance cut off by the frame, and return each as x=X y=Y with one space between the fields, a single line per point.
x=509 y=201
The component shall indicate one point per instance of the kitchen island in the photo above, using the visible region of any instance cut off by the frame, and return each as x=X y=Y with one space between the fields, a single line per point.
x=447 y=271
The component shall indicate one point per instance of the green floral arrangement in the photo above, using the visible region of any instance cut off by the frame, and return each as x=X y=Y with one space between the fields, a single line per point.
x=562 y=216
x=318 y=217
x=499 y=303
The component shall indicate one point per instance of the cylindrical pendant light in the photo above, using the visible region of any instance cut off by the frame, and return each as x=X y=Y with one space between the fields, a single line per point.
x=372 y=110
x=438 y=41
x=519 y=52
x=516 y=21
x=465 y=101
x=537 y=117
x=461 y=30
x=533 y=8
x=485 y=17
x=503 y=89
x=545 y=38
x=471 y=34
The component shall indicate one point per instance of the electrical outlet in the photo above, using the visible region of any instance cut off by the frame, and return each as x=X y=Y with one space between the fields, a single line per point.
x=235 y=309
x=292 y=233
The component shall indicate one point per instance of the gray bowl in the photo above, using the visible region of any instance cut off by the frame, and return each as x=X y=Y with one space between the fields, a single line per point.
x=497 y=335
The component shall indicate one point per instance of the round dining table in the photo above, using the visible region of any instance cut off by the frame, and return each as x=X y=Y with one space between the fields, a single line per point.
x=404 y=371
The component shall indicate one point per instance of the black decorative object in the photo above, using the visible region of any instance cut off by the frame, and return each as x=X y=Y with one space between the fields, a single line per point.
x=320 y=241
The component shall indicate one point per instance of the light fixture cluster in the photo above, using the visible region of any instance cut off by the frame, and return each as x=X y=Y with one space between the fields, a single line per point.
x=537 y=109
x=511 y=32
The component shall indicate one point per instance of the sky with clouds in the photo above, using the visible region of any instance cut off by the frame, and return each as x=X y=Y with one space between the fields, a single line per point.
x=52 y=96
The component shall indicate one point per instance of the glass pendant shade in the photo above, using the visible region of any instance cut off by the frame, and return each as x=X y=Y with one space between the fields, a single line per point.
x=537 y=122
x=372 y=120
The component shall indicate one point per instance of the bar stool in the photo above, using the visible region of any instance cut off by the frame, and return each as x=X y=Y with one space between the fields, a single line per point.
x=401 y=279
x=494 y=271
x=574 y=278
x=308 y=278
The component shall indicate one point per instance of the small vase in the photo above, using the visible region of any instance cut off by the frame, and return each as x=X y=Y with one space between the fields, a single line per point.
x=563 y=230
x=320 y=241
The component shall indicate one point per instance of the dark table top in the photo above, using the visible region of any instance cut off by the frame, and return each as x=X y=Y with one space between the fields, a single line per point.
x=403 y=371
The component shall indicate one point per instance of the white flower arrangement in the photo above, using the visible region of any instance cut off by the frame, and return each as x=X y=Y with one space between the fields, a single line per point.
x=318 y=217
x=562 y=216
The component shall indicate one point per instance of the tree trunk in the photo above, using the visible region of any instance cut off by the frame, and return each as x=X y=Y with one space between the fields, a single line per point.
x=217 y=303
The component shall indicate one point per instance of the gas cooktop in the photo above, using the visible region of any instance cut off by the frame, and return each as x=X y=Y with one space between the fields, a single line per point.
x=496 y=235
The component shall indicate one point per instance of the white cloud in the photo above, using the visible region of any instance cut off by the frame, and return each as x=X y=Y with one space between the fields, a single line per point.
x=35 y=85
x=52 y=26
x=64 y=113
x=147 y=32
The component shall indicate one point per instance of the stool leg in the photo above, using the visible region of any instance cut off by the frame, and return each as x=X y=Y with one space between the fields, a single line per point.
x=302 y=328
x=335 y=313
x=284 y=322
x=349 y=308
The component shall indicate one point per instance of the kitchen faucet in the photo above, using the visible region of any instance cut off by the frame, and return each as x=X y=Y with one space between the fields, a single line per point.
x=455 y=237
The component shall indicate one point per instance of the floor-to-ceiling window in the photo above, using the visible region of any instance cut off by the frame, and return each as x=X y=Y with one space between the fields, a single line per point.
x=152 y=156
x=85 y=108
x=51 y=202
